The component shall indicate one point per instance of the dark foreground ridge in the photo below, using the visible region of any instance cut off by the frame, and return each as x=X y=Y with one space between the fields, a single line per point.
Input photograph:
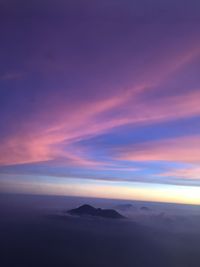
x=89 y=210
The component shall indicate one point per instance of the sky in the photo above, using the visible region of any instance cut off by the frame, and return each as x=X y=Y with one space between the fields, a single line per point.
x=101 y=98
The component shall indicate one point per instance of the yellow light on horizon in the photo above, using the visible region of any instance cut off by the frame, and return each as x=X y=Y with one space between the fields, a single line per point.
x=106 y=189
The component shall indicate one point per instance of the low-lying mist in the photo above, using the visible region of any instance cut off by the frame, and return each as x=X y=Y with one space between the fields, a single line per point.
x=37 y=231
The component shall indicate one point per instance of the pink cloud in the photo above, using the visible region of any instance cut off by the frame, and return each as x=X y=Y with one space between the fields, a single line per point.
x=188 y=173
x=183 y=149
x=50 y=134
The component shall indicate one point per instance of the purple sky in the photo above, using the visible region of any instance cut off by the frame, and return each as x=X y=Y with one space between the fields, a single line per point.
x=101 y=98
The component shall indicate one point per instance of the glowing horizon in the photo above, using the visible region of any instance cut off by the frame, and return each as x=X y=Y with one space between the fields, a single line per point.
x=104 y=189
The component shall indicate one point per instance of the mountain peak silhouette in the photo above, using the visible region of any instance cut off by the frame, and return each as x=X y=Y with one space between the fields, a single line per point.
x=98 y=212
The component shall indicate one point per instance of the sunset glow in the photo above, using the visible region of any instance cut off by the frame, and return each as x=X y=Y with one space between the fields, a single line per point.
x=100 y=104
